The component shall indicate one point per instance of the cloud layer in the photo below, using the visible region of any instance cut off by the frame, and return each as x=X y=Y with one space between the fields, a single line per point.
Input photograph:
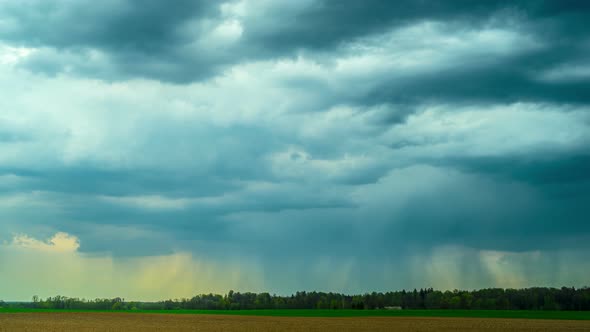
x=409 y=140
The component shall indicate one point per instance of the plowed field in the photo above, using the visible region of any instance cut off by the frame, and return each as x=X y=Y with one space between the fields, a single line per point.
x=54 y=322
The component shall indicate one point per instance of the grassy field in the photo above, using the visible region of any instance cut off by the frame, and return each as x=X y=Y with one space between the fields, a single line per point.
x=570 y=315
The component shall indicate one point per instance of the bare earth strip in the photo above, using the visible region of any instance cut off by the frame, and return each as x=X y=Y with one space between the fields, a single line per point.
x=86 y=322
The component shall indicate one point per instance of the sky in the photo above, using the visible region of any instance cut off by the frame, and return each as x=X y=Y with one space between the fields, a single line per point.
x=155 y=150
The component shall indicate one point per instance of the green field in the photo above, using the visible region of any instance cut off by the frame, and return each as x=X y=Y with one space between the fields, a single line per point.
x=574 y=315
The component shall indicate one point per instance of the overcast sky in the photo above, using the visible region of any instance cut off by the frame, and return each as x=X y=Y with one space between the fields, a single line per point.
x=153 y=149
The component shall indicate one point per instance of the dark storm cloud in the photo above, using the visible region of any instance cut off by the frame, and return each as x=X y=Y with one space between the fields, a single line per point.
x=326 y=24
x=114 y=25
x=499 y=82
x=477 y=211
x=137 y=38
x=536 y=169
x=558 y=28
x=151 y=39
x=507 y=222
x=342 y=130
x=550 y=214
x=89 y=180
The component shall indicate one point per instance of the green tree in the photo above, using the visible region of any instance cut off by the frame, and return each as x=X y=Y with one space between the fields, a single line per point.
x=455 y=302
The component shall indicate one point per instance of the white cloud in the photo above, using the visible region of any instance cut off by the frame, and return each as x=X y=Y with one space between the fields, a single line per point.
x=11 y=55
x=60 y=242
x=228 y=31
x=430 y=46
x=520 y=128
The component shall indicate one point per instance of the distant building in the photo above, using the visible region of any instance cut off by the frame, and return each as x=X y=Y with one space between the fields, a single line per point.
x=393 y=308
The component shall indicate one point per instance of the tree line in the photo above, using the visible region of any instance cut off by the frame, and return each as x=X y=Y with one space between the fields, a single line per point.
x=537 y=298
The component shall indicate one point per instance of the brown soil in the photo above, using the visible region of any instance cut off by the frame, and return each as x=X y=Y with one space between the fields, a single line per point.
x=86 y=322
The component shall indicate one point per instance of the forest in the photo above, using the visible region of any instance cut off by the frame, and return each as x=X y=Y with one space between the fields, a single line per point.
x=537 y=298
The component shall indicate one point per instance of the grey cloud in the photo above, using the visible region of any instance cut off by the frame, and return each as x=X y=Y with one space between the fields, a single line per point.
x=136 y=38
x=328 y=23
x=111 y=25
x=509 y=80
x=476 y=211
x=152 y=39
x=536 y=169
x=312 y=144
